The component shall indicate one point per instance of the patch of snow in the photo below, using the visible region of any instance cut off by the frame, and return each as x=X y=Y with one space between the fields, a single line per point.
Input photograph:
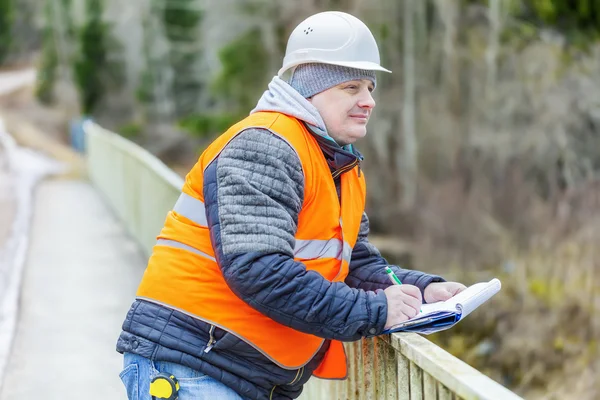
x=25 y=169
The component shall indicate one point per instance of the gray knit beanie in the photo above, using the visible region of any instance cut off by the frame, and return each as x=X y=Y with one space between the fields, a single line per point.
x=313 y=78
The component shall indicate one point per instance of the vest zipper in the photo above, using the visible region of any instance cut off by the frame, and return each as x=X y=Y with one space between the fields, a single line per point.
x=211 y=339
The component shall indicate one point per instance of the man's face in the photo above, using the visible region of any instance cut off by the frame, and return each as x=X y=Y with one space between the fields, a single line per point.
x=346 y=109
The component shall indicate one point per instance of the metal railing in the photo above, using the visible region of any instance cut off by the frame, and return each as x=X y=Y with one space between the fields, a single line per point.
x=141 y=190
x=138 y=187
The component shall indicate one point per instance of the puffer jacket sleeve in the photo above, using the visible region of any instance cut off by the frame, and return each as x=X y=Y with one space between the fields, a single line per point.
x=367 y=266
x=253 y=193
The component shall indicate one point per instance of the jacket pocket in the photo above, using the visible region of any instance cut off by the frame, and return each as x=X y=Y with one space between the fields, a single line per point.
x=129 y=377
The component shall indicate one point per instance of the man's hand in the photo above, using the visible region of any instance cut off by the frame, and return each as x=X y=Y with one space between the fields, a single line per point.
x=404 y=302
x=442 y=291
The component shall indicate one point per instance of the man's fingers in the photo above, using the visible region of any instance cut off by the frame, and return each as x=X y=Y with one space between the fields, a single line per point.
x=412 y=302
x=443 y=295
x=404 y=302
x=408 y=310
x=457 y=289
x=412 y=291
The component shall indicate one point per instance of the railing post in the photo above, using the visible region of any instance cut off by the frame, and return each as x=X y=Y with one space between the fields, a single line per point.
x=403 y=379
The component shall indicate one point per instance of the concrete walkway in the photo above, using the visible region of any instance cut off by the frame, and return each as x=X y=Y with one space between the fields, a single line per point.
x=80 y=277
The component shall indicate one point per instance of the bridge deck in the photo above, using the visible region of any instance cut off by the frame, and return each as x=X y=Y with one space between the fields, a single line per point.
x=80 y=277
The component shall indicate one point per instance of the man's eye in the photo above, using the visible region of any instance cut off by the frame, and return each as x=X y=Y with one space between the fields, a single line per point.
x=352 y=87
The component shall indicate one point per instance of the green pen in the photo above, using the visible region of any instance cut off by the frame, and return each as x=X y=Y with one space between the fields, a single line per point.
x=392 y=276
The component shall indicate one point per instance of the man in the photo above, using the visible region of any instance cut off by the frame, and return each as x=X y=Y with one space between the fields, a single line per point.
x=263 y=266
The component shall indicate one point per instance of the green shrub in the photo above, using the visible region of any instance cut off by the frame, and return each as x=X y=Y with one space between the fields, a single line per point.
x=244 y=69
x=578 y=20
x=207 y=125
x=130 y=130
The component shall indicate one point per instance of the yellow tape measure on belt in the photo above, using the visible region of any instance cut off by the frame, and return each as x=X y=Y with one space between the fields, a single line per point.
x=164 y=386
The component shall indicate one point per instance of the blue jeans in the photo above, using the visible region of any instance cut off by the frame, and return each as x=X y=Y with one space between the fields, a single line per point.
x=138 y=371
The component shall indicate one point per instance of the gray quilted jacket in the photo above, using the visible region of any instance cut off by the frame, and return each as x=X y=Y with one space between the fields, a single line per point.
x=253 y=193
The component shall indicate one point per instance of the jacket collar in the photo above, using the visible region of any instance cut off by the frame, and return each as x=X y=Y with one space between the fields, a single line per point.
x=338 y=158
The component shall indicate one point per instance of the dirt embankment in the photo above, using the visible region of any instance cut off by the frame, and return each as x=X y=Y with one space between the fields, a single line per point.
x=39 y=127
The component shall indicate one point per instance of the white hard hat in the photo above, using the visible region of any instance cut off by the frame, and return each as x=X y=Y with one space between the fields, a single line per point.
x=332 y=37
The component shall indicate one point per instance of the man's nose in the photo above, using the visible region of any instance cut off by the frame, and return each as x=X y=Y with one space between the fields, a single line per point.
x=366 y=100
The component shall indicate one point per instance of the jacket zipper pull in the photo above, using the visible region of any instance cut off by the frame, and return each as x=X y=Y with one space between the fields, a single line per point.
x=359 y=162
x=208 y=347
x=211 y=340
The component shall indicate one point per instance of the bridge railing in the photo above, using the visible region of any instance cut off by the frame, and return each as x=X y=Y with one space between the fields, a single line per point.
x=141 y=190
x=138 y=186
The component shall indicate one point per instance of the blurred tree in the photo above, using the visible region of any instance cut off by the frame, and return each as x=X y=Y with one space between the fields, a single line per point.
x=153 y=90
x=47 y=69
x=408 y=157
x=25 y=32
x=95 y=70
x=182 y=21
x=68 y=21
x=171 y=84
x=93 y=57
x=6 y=23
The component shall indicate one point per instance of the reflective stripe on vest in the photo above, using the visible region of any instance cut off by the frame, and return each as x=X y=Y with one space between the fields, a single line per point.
x=183 y=246
x=191 y=208
x=194 y=210
x=312 y=249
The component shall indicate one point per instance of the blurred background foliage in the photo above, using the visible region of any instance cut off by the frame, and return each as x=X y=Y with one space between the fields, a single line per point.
x=6 y=22
x=482 y=157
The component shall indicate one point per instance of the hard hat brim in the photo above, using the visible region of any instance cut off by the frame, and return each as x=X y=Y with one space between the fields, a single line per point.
x=366 y=65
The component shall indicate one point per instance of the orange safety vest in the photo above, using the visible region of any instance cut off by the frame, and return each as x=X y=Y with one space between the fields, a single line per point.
x=183 y=274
